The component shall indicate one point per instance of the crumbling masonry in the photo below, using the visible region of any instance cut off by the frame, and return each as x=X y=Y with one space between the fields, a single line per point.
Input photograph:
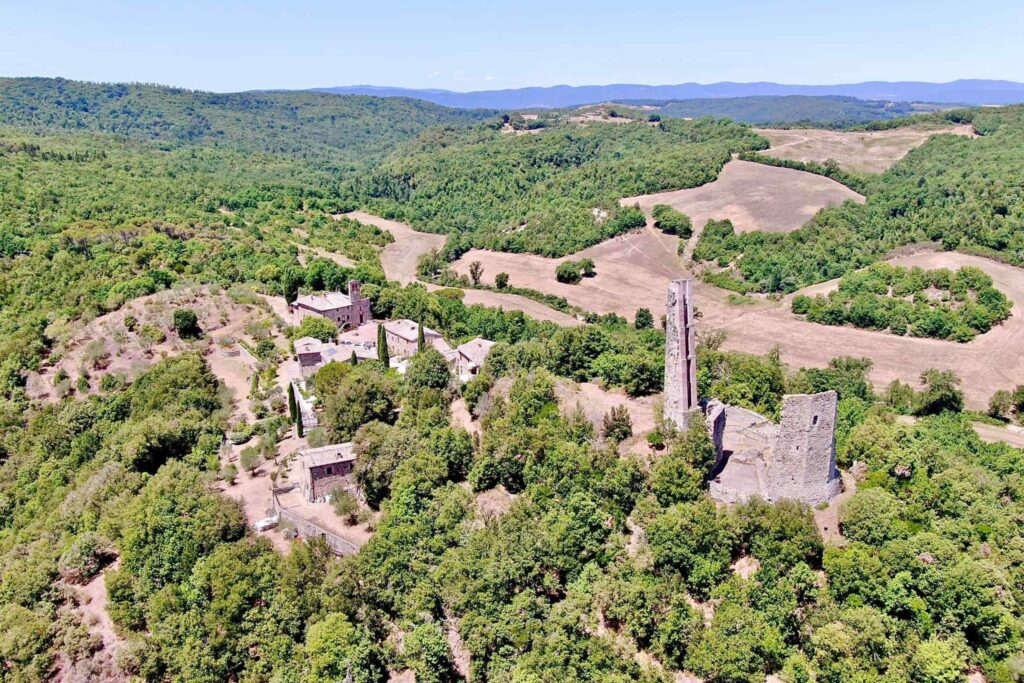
x=795 y=459
x=682 y=403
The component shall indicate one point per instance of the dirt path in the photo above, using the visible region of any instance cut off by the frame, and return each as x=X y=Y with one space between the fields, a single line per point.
x=859 y=152
x=827 y=519
x=92 y=607
x=399 y=261
x=514 y=302
x=340 y=259
x=1011 y=434
x=399 y=257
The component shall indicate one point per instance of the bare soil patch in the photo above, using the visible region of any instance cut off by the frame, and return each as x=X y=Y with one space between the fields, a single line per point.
x=633 y=271
x=106 y=346
x=491 y=504
x=399 y=257
x=597 y=401
x=754 y=197
x=855 y=151
x=92 y=607
x=1010 y=434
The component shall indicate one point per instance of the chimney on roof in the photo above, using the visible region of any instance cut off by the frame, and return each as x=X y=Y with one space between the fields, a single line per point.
x=354 y=293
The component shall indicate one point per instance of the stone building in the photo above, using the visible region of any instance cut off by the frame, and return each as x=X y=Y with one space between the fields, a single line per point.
x=313 y=354
x=795 y=459
x=471 y=356
x=322 y=470
x=680 y=354
x=682 y=404
x=403 y=338
x=345 y=311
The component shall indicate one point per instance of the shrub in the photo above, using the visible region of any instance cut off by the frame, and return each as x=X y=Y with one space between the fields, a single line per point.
x=186 y=323
x=643 y=320
x=250 y=458
x=672 y=222
x=345 y=505
x=501 y=280
x=317 y=327
x=617 y=425
x=84 y=558
x=568 y=272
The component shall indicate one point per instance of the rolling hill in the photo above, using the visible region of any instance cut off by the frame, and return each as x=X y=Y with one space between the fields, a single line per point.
x=974 y=91
x=298 y=124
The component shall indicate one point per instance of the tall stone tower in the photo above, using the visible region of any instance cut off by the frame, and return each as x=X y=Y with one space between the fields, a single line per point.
x=680 y=355
x=803 y=462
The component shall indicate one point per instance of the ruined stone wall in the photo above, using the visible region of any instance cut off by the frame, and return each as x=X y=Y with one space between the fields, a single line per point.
x=803 y=460
x=714 y=414
x=680 y=354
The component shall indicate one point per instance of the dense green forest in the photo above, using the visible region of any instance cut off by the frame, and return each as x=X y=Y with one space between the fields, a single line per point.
x=928 y=585
x=551 y=192
x=959 y=192
x=599 y=566
x=304 y=125
x=791 y=110
x=926 y=303
x=88 y=222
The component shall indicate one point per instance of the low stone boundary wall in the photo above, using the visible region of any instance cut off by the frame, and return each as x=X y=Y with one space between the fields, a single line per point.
x=307 y=529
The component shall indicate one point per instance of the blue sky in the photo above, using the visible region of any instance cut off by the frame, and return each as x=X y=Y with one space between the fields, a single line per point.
x=228 y=46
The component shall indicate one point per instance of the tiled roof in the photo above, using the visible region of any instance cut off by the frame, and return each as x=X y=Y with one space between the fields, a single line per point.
x=324 y=302
x=476 y=350
x=327 y=455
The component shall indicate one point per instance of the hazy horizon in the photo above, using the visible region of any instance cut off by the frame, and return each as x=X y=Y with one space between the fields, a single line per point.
x=235 y=46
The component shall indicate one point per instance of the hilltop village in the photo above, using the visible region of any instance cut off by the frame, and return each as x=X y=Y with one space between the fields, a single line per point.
x=297 y=388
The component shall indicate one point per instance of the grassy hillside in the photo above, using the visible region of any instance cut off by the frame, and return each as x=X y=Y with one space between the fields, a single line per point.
x=297 y=124
x=552 y=191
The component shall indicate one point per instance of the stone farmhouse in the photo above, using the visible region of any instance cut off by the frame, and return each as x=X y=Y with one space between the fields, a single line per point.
x=322 y=470
x=403 y=338
x=345 y=311
x=471 y=356
x=795 y=459
x=313 y=354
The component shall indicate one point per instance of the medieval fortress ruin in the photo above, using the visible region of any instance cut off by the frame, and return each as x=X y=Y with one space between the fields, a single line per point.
x=795 y=459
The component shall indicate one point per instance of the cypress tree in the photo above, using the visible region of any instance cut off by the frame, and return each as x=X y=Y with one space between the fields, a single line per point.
x=382 y=346
x=298 y=426
x=355 y=360
x=421 y=341
x=291 y=402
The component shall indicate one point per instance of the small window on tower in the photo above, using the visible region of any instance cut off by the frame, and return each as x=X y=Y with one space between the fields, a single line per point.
x=814 y=421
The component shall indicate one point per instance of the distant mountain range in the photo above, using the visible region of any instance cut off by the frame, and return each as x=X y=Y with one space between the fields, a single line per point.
x=967 y=92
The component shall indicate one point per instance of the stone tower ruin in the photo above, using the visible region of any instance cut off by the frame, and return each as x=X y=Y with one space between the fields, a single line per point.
x=682 y=404
x=680 y=355
x=803 y=462
x=795 y=459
